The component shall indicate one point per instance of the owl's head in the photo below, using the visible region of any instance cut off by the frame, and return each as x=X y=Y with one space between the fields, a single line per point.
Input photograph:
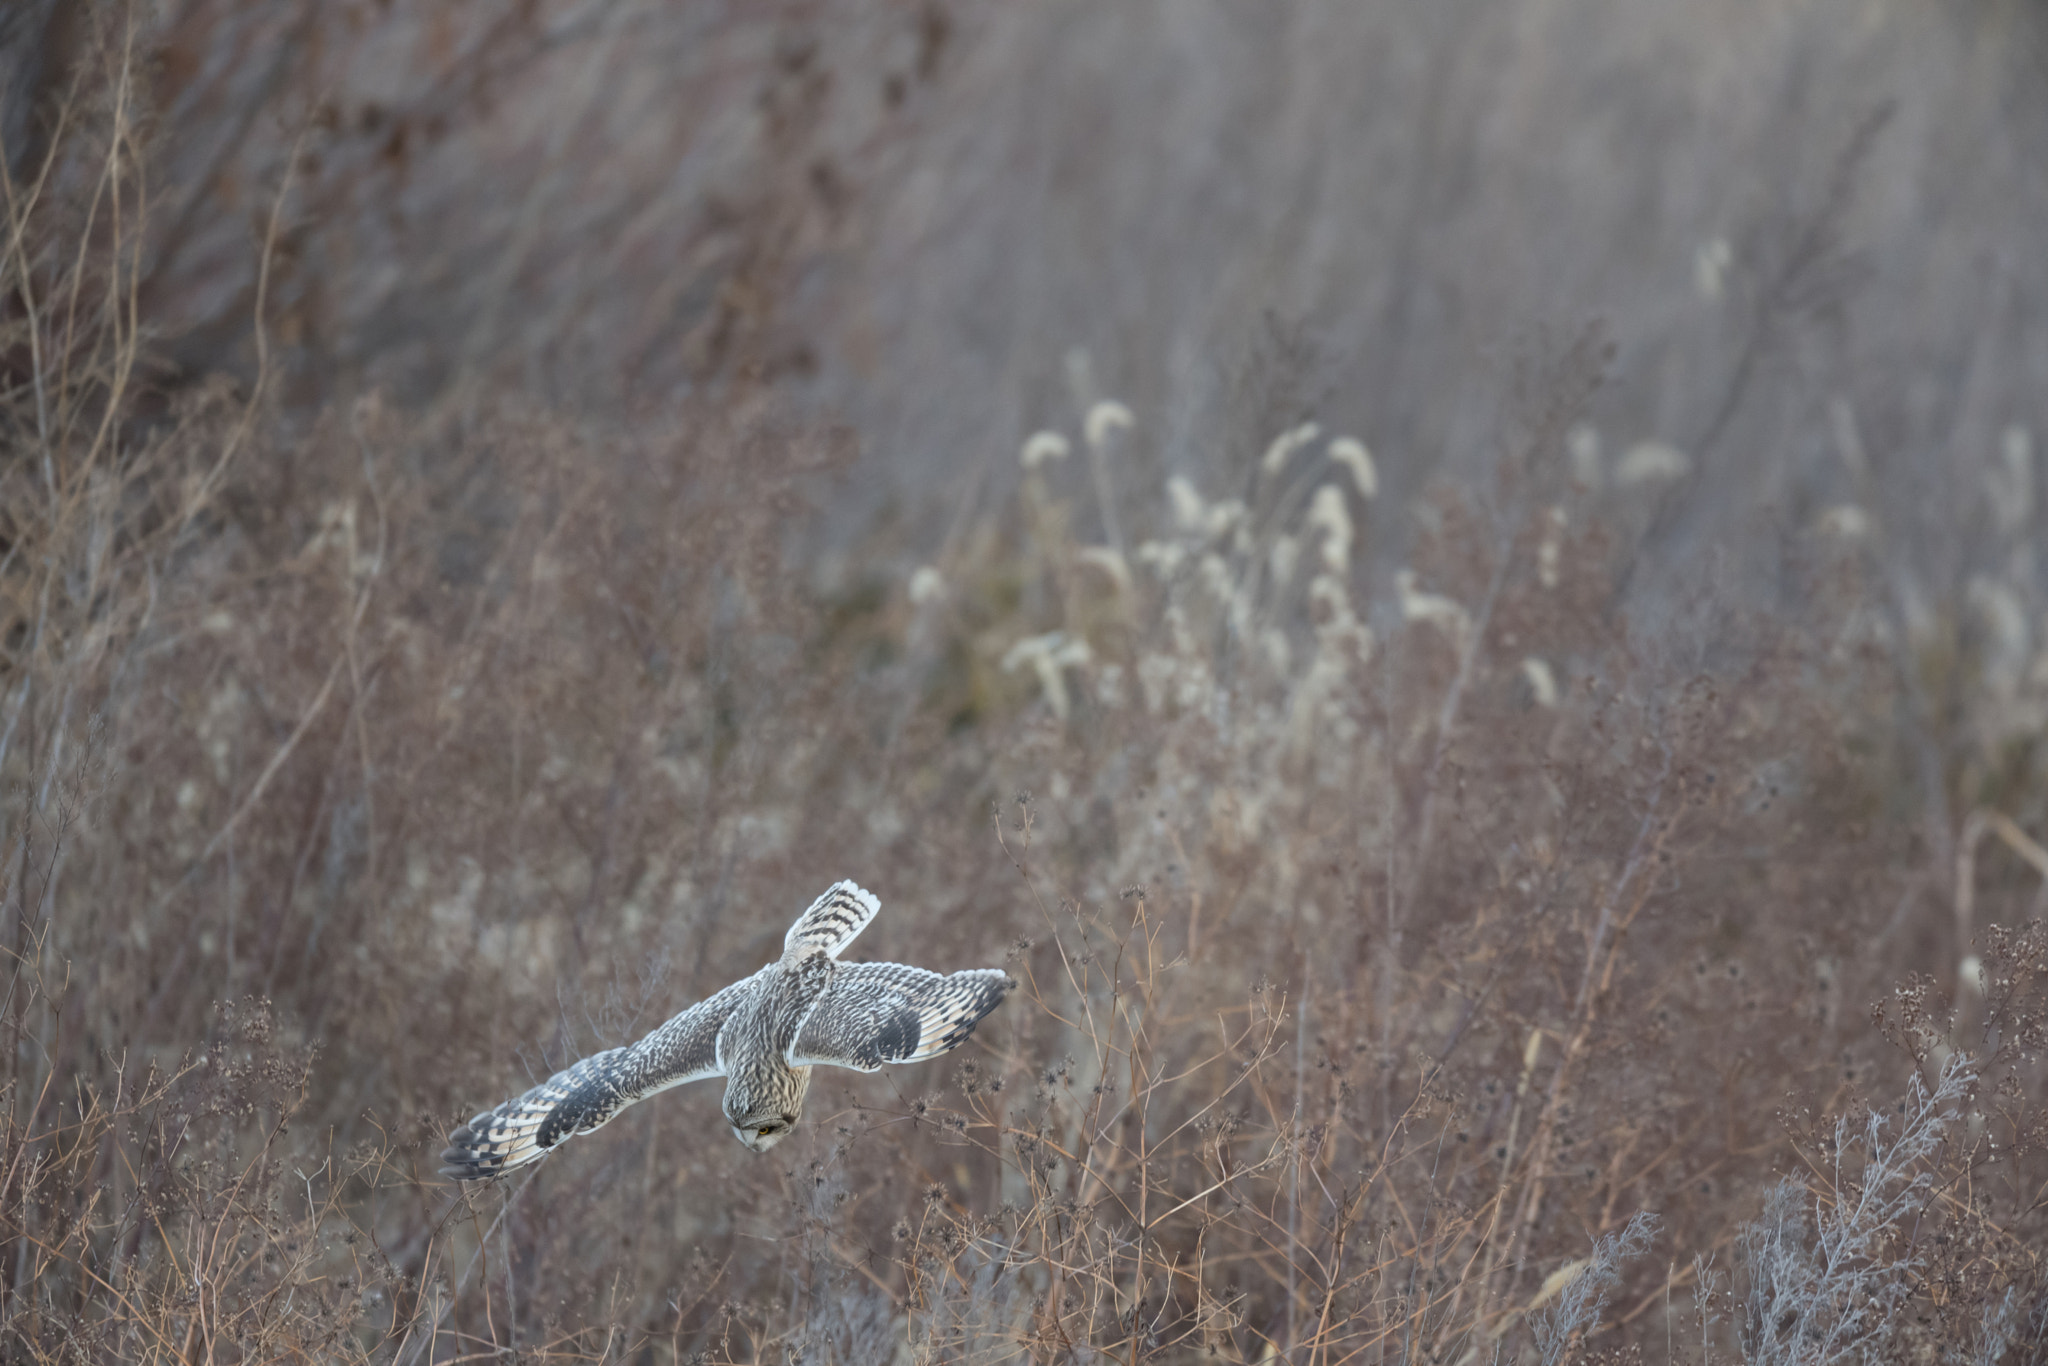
x=763 y=1132
x=762 y=1102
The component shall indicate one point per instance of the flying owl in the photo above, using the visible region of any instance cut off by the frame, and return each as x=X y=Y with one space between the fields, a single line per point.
x=763 y=1035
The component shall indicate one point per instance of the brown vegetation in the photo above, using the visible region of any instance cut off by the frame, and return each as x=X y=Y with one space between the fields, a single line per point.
x=1422 y=961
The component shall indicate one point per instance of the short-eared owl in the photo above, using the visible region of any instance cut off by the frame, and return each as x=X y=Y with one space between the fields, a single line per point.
x=763 y=1035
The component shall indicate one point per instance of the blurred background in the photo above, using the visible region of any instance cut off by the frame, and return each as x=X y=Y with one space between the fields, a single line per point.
x=1453 y=587
x=903 y=218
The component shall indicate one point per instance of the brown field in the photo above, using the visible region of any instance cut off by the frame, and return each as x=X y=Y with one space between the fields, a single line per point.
x=1453 y=590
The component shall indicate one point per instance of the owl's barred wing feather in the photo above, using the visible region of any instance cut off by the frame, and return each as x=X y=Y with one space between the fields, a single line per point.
x=583 y=1098
x=833 y=920
x=873 y=1014
x=575 y=1100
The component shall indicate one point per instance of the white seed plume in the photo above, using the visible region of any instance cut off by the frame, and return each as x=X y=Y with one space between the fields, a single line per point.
x=1188 y=508
x=1542 y=682
x=1106 y=417
x=1433 y=609
x=1844 y=522
x=1041 y=447
x=1282 y=558
x=1558 y=1280
x=336 y=527
x=1110 y=563
x=1651 y=461
x=1049 y=656
x=2005 y=622
x=2012 y=490
x=1327 y=514
x=926 y=585
x=1215 y=576
x=1337 y=626
x=1210 y=521
x=1286 y=444
x=1236 y=603
x=1162 y=557
x=1229 y=594
x=1312 y=698
x=1342 y=644
x=1351 y=453
x=1582 y=443
x=1550 y=549
x=1225 y=516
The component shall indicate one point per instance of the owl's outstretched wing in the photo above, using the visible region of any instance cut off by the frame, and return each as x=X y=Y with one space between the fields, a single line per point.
x=872 y=1014
x=583 y=1098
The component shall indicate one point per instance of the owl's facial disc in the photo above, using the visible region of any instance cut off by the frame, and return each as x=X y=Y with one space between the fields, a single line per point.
x=764 y=1134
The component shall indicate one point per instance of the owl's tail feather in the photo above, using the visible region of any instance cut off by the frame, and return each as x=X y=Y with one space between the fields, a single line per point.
x=577 y=1100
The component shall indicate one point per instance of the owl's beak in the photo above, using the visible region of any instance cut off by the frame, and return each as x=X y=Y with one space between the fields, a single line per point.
x=760 y=1140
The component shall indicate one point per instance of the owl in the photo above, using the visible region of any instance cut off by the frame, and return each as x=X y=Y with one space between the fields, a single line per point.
x=763 y=1035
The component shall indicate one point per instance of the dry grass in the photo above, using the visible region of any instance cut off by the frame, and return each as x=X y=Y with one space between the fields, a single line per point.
x=1428 y=966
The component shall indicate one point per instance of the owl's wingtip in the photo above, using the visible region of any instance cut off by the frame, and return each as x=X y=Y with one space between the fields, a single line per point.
x=492 y=1144
x=462 y=1160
